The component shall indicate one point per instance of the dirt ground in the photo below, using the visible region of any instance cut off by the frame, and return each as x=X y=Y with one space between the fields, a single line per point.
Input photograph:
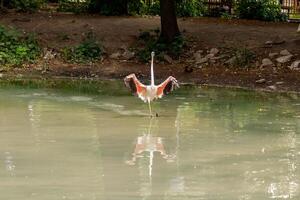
x=118 y=33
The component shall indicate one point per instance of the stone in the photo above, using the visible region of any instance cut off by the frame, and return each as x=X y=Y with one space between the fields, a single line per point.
x=197 y=56
x=272 y=87
x=285 y=52
x=266 y=62
x=279 y=83
x=284 y=59
x=202 y=60
x=1 y=75
x=262 y=80
x=115 y=55
x=199 y=51
x=216 y=58
x=278 y=40
x=128 y=55
x=269 y=42
x=168 y=58
x=231 y=61
x=295 y=65
x=48 y=54
x=272 y=55
x=209 y=56
x=298 y=31
x=214 y=51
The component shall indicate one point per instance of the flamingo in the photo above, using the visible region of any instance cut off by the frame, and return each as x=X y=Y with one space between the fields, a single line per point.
x=148 y=93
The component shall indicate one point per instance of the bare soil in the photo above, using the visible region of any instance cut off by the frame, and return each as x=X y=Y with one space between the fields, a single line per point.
x=118 y=33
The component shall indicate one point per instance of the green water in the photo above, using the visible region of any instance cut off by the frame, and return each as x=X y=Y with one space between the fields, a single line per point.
x=206 y=144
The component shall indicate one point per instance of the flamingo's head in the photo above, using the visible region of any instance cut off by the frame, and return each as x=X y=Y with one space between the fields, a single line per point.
x=152 y=54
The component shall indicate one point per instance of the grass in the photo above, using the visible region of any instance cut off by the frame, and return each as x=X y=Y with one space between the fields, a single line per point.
x=294 y=16
x=89 y=50
x=17 y=48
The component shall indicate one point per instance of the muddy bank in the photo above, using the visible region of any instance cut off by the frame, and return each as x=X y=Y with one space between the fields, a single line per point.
x=118 y=34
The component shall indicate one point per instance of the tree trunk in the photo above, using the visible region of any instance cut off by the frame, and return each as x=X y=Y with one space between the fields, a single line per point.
x=169 y=26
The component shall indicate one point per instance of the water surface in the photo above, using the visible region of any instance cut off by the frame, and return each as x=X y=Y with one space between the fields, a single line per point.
x=206 y=144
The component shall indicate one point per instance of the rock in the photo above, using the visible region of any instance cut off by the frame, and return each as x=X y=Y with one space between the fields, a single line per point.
x=278 y=40
x=202 y=60
x=298 y=31
x=128 y=55
x=216 y=58
x=295 y=65
x=231 y=61
x=279 y=83
x=214 y=51
x=272 y=87
x=269 y=42
x=49 y=54
x=115 y=55
x=284 y=59
x=199 y=51
x=285 y=53
x=262 y=80
x=168 y=58
x=197 y=56
x=266 y=62
x=275 y=41
x=1 y=75
x=209 y=56
x=272 y=55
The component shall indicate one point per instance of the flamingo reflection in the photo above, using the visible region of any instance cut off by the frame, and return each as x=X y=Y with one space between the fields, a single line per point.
x=147 y=145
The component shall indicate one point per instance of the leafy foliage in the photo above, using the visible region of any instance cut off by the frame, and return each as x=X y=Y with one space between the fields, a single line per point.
x=75 y=6
x=150 y=41
x=17 y=48
x=27 y=5
x=267 y=10
x=140 y=7
x=88 y=50
x=190 y=8
x=243 y=57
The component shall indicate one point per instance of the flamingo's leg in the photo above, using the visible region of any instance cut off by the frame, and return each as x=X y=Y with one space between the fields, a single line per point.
x=149 y=104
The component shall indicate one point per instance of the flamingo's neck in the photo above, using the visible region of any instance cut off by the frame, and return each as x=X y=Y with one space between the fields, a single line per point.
x=152 y=70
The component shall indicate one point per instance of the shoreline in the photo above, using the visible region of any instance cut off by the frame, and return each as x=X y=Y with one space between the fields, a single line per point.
x=227 y=39
x=89 y=86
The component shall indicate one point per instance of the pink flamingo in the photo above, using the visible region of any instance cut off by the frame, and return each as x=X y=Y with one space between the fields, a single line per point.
x=150 y=92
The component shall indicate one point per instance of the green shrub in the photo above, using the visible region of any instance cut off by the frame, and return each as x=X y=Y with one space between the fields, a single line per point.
x=184 y=8
x=17 y=48
x=267 y=10
x=243 y=57
x=190 y=8
x=150 y=41
x=140 y=7
x=75 y=6
x=88 y=50
x=27 y=5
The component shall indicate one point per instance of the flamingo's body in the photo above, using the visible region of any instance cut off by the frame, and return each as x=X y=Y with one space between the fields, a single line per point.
x=150 y=92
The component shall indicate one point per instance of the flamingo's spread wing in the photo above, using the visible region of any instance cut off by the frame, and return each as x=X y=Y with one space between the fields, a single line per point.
x=167 y=86
x=135 y=86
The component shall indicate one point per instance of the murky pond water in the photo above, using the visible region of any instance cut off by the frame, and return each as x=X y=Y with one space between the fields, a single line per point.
x=205 y=144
